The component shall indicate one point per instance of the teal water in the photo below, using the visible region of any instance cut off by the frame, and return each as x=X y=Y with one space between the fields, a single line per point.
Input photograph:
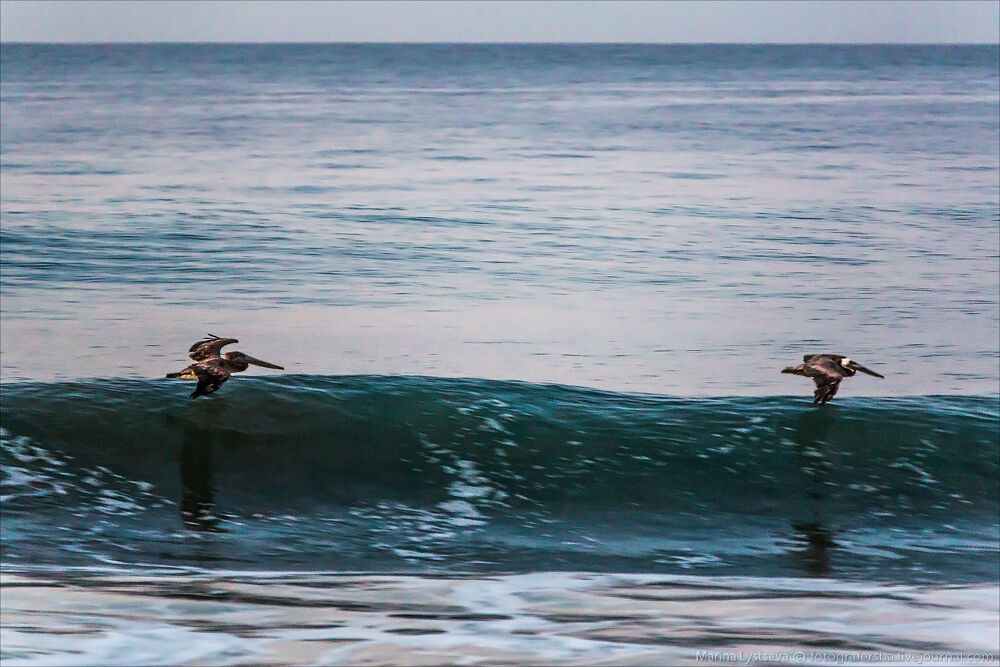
x=435 y=475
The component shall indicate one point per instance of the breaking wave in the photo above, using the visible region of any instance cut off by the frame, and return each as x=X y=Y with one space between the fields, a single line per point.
x=406 y=473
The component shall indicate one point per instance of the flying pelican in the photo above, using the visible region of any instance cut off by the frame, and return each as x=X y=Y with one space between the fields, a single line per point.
x=827 y=370
x=211 y=368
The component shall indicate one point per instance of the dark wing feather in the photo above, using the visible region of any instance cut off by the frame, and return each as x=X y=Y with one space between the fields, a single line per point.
x=209 y=347
x=827 y=374
x=210 y=378
x=826 y=388
x=822 y=358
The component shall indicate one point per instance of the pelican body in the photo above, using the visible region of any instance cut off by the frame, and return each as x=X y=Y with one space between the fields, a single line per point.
x=212 y=368
x=827 y=370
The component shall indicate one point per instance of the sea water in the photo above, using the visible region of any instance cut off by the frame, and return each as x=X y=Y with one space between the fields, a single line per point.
x=533 y=302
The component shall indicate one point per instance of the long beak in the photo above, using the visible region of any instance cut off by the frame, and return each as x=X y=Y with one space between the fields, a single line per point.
x=858 y=367
x=265 y=364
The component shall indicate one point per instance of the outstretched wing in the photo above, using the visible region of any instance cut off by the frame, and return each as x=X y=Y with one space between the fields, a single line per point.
x=826 y=387
x=833 y=359
x=825 y=370
x=827 y=373
x=209 y=347
x=210 y=378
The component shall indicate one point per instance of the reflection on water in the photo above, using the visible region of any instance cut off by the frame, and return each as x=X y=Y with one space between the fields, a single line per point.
x=197 y=506
x=813 y=543
x=814 y=536
x=197 y=503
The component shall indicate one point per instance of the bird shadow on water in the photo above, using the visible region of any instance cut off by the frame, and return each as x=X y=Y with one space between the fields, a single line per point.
x=814 y=537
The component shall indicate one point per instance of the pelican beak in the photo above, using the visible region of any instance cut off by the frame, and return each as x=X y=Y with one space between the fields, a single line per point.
x=265 y=364
x=858 y=367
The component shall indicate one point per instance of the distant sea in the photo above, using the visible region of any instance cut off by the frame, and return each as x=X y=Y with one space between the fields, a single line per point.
x=533 y=301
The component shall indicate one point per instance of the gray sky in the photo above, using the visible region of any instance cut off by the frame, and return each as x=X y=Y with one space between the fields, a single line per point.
x=506 y=21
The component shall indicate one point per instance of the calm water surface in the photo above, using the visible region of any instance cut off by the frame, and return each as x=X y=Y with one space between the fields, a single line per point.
x=669 y=219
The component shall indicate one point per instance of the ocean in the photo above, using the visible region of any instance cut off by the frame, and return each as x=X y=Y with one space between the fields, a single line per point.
x=533 y=302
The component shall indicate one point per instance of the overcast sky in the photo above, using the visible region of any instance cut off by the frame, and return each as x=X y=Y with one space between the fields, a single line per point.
x=506 y=21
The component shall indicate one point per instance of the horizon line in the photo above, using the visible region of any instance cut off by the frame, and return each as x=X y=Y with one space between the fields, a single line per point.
x=479 y=43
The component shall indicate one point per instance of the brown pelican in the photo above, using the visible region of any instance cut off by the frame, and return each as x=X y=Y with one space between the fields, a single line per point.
x=211 y=368
x=827 y=370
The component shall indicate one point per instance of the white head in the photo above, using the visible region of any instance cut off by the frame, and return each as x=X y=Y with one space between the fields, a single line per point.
x=851 y=367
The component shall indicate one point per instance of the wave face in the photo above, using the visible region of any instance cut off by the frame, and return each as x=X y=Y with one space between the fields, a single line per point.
x=392 y=474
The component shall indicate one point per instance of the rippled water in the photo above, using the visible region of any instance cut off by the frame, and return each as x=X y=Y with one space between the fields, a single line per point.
x=625 y=217
x=422 y=475
x=617 y=248
x=566 y=619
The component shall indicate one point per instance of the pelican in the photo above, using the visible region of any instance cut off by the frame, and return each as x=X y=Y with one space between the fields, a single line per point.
x=827 y=370
x=211 y=368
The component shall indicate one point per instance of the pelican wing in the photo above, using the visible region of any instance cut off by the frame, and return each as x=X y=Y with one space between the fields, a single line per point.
x=210 y=378
x=831 y=359
x=827 y=373
x=826 y=387
x=825 y=370
x=209 y=347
